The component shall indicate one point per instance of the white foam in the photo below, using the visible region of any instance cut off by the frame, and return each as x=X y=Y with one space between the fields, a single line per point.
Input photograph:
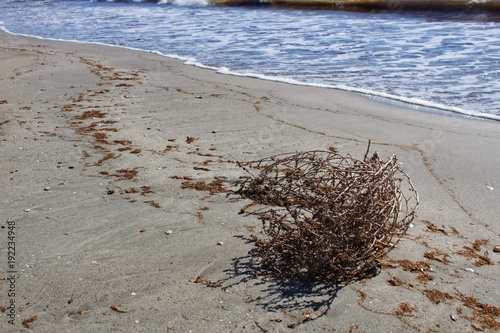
x=185 y=2
x=380 y=96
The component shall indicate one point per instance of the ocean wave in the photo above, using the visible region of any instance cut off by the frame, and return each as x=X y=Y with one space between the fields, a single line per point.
x=185 y=2
x=360 y=5
x=393 y=5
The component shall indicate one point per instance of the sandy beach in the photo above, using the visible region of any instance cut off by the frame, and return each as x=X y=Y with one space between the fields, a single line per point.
x=113 y=169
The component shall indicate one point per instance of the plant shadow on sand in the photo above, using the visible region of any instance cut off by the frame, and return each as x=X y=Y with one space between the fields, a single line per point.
x=296 y=300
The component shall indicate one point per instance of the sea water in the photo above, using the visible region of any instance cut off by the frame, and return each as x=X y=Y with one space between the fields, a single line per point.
x=442 y=59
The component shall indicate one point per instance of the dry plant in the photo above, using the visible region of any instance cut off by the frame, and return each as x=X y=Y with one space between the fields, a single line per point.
x=214 y=187
x=28 y=322
x=329 y=218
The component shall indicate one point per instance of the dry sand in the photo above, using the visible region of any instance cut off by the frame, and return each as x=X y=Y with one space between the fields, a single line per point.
x=94 y=152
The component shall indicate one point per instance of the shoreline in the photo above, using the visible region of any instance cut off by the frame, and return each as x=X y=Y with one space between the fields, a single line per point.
x=398 y=101
x=106 y=156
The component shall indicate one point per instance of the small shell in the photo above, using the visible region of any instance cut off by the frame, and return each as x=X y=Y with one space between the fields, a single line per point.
x=471 y=270
x=220 y=243
x=496 y=248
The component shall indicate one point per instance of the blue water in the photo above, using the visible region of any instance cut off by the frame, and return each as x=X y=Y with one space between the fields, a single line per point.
x=448 y=60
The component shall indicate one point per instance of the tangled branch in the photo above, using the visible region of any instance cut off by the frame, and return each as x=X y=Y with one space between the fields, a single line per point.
x=329 y=217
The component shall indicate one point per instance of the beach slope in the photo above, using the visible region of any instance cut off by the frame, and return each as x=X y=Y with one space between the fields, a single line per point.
x=114 y=166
